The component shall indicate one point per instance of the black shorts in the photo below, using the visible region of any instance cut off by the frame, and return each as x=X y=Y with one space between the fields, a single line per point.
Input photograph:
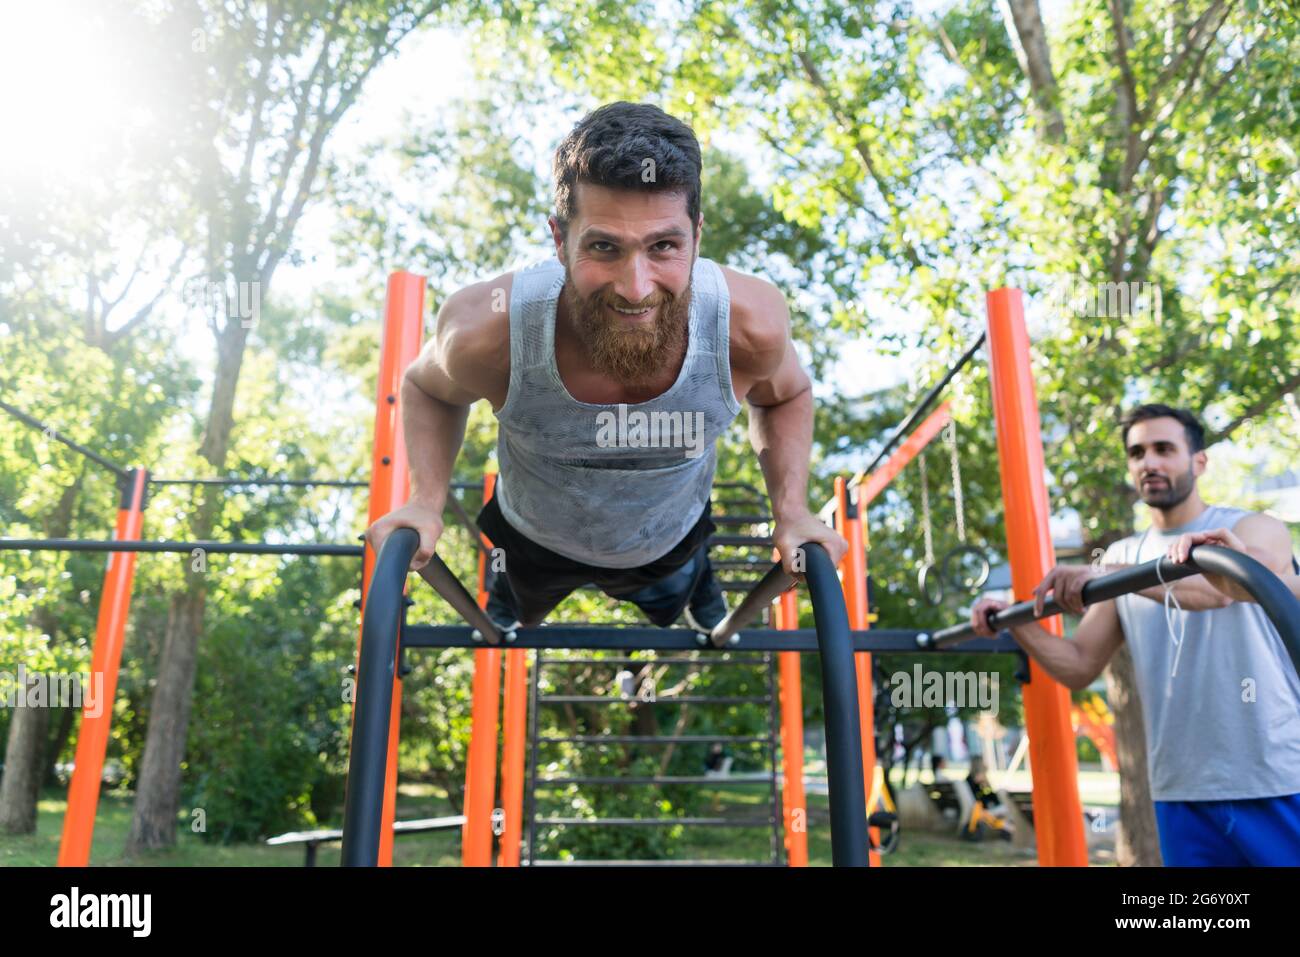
x=540 y=579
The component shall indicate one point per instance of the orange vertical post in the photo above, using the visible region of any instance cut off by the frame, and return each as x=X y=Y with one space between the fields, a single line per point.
x=515 y=719
x=390 y=482
x=481 y=762
x=853 y=575
x=105 y=660
x=794 y=800
x=1058 y=814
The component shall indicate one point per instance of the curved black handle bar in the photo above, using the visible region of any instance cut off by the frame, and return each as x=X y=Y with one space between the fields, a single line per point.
x=1266 y=588
x=381 y=621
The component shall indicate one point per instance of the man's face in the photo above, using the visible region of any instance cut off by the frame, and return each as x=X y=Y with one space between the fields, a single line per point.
x=627 y=264
x=1162 y=467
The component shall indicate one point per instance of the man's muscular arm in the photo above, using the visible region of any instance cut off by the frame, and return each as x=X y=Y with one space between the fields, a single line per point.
x=780 y=414
x=460 y=364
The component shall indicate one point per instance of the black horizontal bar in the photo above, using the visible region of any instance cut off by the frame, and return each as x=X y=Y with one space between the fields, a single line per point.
x=657 y=821
x=663 y=863
x=216 y=548
x=741 y=519
x=597 y=638
x=740 y=540
x=656 y=739
x=623 y=660
x=665 y=699
x=1274 y=597
x=662 y=779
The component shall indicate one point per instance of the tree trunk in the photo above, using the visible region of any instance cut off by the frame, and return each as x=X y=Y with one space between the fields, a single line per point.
x=24 y=761
x=158 y=789
x=25 y=767
x=157 y=801
x=1137 y=840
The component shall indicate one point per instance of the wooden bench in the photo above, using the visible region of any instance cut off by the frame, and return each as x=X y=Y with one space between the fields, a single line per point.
x=314 y=839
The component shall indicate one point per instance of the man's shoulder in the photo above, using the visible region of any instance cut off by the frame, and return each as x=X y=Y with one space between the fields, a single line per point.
x=759 y=321
x=473 y=331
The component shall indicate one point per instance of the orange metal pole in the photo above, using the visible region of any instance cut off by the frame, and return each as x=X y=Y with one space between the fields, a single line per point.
x=390 y=483
x=1058 y=814
x=794 y=801
x=106 y=658
x=853 y=576
x=481 y=762
x=512 y=757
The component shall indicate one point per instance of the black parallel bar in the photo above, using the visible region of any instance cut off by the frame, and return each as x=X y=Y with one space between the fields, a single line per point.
x=437 y=574
x=921 y=408
x=675 y=699
x=656 y=821
x=848 y=797
x=664 y=863
x=712 y=662
x=656 y=739
x=363 y=808
x=231 y=548
x=741 y=519
x=752 y=641
x=1266 y=588
x=765 y=780
x=53 y=433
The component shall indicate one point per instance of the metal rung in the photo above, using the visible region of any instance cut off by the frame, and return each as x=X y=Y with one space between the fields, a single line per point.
x=674 y=699
x=757 y=777
x=741 y=540
x=659 y=821
x=741 y=519
x=622 y=660
x=658 y=739
x=682 y=863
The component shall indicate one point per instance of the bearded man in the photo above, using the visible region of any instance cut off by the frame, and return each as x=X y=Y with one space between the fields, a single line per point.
x=612 y=369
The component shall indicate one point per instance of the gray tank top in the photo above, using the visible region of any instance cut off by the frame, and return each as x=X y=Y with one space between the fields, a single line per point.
x=616 y=486
x=1226 y=725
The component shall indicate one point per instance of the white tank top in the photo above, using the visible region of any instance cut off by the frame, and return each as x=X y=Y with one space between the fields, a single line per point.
x=1226 y=725
x=616 y=486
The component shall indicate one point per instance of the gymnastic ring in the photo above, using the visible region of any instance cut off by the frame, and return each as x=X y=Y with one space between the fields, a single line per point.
x=966 y=584
x=928 y=580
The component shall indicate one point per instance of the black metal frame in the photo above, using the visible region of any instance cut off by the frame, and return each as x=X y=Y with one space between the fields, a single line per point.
x=383 y=632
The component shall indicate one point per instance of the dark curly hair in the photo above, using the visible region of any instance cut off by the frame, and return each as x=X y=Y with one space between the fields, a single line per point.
x=610 y=147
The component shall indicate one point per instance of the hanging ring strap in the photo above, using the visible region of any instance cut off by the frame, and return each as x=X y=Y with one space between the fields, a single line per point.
x=956 y=481
x=925 y=511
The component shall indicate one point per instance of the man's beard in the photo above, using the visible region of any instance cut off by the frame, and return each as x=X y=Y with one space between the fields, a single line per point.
x=1171 y=495
x=630 y=353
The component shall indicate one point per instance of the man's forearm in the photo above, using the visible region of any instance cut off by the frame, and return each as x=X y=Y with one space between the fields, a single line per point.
x=782 y=439
x=434 y=431
x=1058 y=656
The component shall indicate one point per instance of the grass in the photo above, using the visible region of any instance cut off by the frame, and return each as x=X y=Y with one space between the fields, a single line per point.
x=442 y=848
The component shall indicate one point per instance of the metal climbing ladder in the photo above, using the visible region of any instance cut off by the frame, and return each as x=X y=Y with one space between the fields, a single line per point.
x=538 y=785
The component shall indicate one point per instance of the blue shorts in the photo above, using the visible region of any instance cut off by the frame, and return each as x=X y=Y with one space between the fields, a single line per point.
x=1257 y=832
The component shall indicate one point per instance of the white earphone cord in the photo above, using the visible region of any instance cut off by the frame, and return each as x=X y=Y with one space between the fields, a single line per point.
x=1176 y=631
